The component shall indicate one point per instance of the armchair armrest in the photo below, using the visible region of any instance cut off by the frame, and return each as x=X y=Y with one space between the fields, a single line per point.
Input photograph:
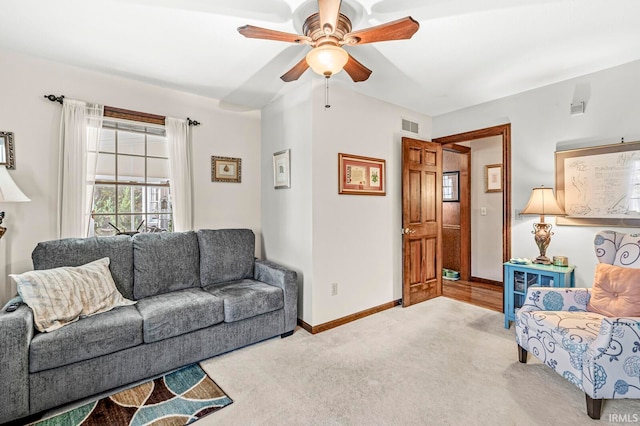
x=279 y=276
x=556 y=299
x=16 y=332
x=614 y=360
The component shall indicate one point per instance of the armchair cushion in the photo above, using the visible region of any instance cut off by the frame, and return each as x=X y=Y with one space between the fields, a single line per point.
x=615 y=292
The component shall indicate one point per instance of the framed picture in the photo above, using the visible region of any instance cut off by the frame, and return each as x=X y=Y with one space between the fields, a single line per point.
x=282 y=169
x=599 y=186
x=226 y=169
x=7 y=155
x=493 y=178
x=451 y=186
x=361 y=175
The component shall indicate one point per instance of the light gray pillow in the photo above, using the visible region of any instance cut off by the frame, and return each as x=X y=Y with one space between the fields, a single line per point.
x=60 y=296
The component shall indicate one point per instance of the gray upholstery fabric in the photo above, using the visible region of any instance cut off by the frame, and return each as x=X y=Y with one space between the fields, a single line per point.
x=164 y=262
x=86 y=338
x=59 y=386
x=16 y=331
x=172 y=314
x=287 y=280
x=247 y=298
x=78 y=251
x=226 y=255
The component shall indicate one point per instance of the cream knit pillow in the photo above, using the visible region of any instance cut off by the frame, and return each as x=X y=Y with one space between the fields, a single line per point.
x=60 y=296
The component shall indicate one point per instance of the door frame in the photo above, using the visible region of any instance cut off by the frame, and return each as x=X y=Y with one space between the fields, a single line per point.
x=503 y=130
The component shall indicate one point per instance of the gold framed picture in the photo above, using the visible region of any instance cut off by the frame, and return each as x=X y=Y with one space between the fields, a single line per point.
x=359 y=175
x=493 y=178
x=226 y=169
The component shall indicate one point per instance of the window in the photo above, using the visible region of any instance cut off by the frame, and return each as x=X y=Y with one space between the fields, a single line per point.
x=132 y=190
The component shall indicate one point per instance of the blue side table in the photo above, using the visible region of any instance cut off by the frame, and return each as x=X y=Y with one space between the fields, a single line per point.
x=517 y=278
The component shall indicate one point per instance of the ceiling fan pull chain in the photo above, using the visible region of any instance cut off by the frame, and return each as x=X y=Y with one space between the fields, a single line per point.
x=326 y=92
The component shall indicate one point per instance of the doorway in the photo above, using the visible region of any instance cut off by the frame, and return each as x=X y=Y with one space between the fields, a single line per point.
x=466 y=234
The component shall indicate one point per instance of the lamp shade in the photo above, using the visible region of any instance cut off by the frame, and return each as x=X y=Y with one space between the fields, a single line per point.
x=327 y=59
x=543 y=202
x=9 y=191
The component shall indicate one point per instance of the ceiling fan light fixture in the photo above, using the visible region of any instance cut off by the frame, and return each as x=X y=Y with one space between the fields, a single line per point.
x=327 y=59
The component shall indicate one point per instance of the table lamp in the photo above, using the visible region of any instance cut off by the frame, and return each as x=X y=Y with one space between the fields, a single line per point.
x=9 y=193
x=542 y=202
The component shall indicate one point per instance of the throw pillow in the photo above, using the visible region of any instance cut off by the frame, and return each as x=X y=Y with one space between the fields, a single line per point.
x=60 y=296
x=615 y=292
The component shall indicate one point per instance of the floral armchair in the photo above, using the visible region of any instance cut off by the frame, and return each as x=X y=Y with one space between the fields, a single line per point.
x=599 y=353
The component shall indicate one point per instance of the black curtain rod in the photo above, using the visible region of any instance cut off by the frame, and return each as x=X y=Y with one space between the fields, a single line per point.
x=54 y=98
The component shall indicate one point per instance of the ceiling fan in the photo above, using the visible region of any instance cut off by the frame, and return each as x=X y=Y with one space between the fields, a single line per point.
x=326 y=32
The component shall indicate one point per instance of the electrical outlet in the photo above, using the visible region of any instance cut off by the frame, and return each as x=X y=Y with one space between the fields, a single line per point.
x=334 y=289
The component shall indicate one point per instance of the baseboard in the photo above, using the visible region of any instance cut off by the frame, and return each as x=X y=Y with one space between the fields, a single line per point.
x=315 y=329
x=486 y=281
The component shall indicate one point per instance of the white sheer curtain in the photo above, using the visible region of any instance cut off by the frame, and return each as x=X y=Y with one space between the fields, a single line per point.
x=178 y=139
x=79 y=137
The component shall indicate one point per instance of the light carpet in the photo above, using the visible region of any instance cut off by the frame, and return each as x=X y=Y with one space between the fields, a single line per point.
x=440 y=362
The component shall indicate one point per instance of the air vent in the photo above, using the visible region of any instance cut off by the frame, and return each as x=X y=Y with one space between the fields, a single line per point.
x=577 y=108
x=409 y=126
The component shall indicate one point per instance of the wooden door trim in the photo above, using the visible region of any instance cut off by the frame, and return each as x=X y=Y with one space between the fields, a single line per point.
x=503 y=130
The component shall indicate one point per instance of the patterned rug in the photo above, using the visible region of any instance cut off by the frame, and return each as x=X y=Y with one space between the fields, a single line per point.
x=178 y=398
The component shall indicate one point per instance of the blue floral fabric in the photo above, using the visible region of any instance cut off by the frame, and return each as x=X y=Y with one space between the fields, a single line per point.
x=598 y=354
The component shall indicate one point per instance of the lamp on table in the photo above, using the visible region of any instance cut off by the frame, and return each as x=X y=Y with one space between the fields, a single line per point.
x=9 y=193
x=542 y=202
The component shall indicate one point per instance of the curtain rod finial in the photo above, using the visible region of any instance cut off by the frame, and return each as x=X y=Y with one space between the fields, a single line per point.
x=54 y=98
x=193 y=122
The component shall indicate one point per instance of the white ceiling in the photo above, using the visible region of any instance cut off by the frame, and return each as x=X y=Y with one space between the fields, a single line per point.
x=466 y=51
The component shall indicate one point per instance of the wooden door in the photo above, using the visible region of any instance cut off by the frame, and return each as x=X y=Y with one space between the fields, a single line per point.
x=421 y=220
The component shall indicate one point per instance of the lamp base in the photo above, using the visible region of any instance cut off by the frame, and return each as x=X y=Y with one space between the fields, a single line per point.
x=542 y=260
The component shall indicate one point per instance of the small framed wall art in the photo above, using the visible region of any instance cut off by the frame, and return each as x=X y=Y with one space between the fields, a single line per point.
x=282 y=169
x=493 y=178
x=226 y=169
x=361 y=175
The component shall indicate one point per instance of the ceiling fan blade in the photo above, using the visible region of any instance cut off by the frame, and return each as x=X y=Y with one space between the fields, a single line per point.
x=401 y=29
x=356 y=70
x=256 y=32
x=294 y=73
x=329 y=10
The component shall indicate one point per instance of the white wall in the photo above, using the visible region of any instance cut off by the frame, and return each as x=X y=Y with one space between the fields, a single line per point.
x=486 y=231
x=540 y=120
x=35 y=123
x=350 y=240
x=287 y=213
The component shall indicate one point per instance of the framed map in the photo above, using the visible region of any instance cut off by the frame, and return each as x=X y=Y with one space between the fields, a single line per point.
x=599 y=185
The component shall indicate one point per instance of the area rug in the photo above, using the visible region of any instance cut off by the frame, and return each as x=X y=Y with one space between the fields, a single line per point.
x=177 y=398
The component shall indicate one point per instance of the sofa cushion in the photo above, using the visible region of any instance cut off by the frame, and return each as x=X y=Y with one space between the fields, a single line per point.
x=165 y=262
x=615 y=291
x=573 y=331
x=172 y=314
x=226 y=255
x=247 y=298
x=87 y=338
x=60 y=296
x=79 y=251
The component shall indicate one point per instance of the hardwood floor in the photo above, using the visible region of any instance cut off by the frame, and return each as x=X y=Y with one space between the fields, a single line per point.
x=480 y=294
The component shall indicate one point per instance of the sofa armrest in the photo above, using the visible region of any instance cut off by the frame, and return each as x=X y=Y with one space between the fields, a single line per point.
x=16 y=332
x=614 y=360
x=555 y=299
x=279 y=276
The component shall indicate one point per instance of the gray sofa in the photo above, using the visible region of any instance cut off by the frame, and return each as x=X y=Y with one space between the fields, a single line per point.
x=198 y=294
